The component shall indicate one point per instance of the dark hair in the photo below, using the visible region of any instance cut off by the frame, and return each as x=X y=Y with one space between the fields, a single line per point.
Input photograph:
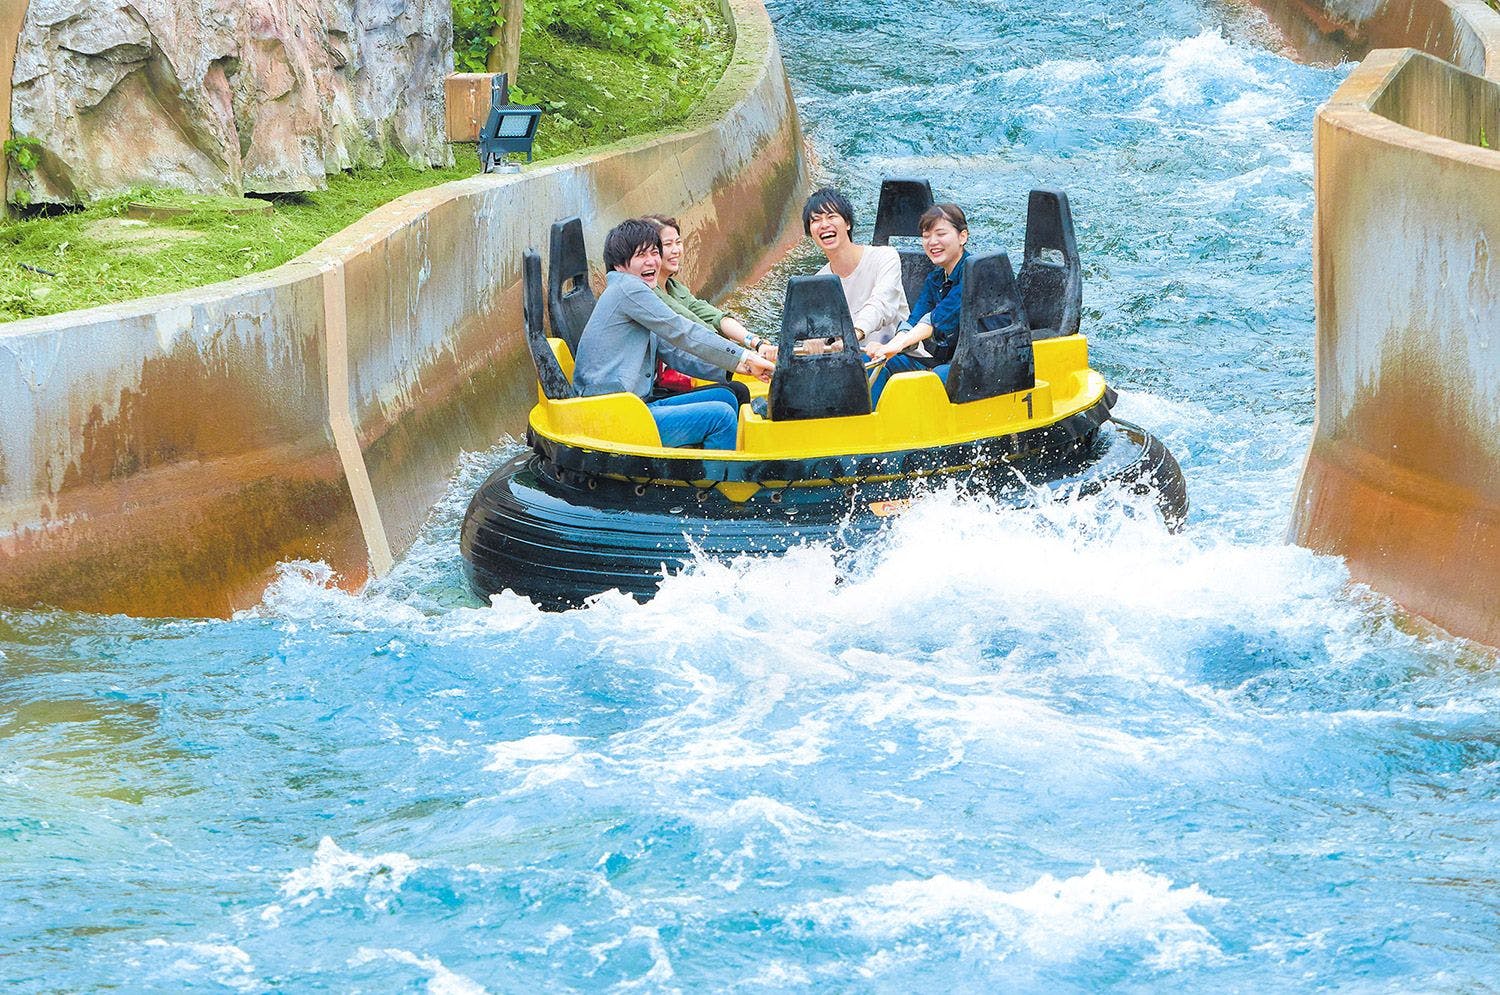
x=665 y=222
x=626 y=239
x=825 y=200
x=951 y=213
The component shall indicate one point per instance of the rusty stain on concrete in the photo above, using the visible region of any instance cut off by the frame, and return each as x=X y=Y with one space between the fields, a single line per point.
x=1403 y=476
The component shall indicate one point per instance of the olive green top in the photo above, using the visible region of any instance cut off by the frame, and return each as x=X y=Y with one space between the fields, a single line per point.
x=680 y=299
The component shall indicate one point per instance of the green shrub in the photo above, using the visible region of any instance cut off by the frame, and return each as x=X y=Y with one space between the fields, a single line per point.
x=647 y=29
x=472 y=21
x=24 y=151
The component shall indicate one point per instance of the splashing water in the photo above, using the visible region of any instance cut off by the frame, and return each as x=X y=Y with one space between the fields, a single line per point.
x=1052 y=748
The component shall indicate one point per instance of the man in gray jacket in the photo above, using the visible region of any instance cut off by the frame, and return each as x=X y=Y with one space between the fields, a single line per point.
x=631 y=327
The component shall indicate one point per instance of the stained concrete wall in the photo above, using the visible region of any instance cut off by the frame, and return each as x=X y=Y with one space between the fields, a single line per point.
x=1459 y=31
x=160 y=457
x=1403 y=477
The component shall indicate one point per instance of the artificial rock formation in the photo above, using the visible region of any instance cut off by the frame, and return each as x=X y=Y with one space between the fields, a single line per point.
x=225 y=96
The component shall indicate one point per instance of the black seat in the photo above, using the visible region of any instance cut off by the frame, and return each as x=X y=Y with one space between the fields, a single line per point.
x=994 y=354
x=1051 y=278
x=826 y=384
x=555 y=383
x=902 y=202
x=570 y=297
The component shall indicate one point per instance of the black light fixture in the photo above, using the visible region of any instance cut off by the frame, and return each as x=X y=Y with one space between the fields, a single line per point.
x=508 y=128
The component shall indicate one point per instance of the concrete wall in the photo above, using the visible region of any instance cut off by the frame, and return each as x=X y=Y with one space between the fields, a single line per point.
x=1403 y=477
x=160 y=457
x=1459 y=31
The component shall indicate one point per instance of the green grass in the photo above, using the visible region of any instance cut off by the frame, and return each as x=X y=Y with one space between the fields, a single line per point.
x=99 y=257
x=593 y=97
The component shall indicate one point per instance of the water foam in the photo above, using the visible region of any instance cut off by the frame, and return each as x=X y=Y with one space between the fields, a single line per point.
x=1052 y=920
x=440 y=981
x=230 y=966
x=335 y=869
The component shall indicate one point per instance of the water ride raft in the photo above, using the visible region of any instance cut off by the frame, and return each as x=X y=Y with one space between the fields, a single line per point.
x=597 y=503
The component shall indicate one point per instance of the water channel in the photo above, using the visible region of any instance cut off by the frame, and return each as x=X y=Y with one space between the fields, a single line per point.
x=1049 y=749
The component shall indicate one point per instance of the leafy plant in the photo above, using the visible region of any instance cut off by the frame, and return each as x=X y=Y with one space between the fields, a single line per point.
x=646 y=29
x=24 y=151
x=473 y=20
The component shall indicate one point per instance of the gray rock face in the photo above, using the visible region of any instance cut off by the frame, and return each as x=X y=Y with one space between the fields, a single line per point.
x=225 y=96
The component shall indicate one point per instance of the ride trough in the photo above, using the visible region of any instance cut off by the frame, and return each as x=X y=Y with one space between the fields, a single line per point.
x=598 y=503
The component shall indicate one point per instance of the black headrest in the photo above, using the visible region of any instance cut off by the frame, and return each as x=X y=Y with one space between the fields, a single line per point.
x=1049 y=224
x=994 y=354
x=914 y=269
x=825 y=384
x=1051 y=278
x=549 y=374
x=902 y=202
x=570 y=297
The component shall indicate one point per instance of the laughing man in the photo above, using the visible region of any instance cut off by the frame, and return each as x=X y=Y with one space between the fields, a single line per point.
x=631 y=327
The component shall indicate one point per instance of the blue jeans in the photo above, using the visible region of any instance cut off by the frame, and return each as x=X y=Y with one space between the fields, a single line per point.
x=901 y=363
x=710 y=416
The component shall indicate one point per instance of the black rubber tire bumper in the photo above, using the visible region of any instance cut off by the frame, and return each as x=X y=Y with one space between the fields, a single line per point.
x=557 y=536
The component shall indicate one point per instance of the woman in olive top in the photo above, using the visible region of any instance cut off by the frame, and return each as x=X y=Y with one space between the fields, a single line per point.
x=679 y=298
x=929 y=342
x=670 y=288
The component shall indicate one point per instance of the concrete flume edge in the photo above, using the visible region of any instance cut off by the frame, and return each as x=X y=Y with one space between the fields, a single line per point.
x=160 y=457
x=1403 y=475
x=1464 y=32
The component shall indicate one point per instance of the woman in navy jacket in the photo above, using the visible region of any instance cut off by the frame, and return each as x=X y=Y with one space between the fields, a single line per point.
x=929 y=343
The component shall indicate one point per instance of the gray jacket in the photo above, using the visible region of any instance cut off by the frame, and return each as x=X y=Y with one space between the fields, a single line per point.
x=630 y=329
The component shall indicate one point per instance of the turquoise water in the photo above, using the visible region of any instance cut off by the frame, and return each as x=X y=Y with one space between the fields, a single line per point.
x=1041 y=750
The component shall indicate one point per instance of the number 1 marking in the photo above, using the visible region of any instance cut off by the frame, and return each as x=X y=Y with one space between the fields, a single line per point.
x=1027 y=399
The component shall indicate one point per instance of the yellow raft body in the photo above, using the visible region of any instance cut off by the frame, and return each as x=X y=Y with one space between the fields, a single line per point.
x=914 y=414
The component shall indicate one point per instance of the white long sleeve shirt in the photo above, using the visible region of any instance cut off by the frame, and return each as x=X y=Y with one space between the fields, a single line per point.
x=876 y=296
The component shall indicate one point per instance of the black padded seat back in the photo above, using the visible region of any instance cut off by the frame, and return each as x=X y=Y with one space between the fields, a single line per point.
x=570 y=297
x=826 y=384
x=914 y=269
x=1051 y=278
x=555 y=383
x=994 y=354
x=902 y=201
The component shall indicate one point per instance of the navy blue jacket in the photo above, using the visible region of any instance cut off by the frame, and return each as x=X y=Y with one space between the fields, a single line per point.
x=939 y=302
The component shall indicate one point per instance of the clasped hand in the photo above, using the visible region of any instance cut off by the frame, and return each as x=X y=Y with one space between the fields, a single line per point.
x=757 y=366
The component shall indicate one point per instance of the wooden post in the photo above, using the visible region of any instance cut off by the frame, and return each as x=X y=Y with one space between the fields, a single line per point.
x=12 y=18
x=505 y=40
